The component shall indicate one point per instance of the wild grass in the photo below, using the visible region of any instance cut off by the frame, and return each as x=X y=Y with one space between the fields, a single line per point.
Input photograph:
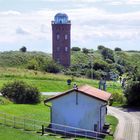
x=47 y=82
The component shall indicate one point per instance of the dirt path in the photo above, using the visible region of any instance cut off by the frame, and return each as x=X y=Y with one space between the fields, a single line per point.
x=129 y=123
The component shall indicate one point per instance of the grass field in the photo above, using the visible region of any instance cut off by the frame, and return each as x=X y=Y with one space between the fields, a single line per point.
x=47 y=82
x=9 y=133
x=38 y=112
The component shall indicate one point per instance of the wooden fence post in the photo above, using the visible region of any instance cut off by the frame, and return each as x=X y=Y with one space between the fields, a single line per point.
x=24 y=124
x=14 y=122
x=5 y=119
x=43 y=130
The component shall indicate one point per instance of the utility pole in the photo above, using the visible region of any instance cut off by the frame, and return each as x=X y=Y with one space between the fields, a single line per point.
x=91 y=60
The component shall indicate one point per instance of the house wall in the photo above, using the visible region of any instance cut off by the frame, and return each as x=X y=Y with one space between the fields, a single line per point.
x=77 y=110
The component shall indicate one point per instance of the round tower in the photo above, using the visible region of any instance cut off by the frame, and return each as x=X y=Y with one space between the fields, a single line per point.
x=61 y=39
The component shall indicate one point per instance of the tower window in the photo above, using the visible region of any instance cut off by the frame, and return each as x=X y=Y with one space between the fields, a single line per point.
x=57 y=36
x=66 y=36
x=66 y=49
x=58 y=60
x=58 y=49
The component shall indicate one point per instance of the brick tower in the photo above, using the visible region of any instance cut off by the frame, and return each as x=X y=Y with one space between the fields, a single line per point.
x=61 y=39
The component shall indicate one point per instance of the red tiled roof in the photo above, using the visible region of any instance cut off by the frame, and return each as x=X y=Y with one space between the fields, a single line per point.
x=95 y=92
x=87 y=90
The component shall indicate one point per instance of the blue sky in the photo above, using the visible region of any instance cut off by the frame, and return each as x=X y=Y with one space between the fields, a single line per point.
x=112 y=23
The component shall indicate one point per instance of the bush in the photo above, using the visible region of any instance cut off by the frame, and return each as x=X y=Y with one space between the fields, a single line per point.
x=76 y=49
x=52 y=67
x=117 y=49
x=23 y=49
x=21 y=93
x=4 y=101
x=85 y=50
x=96 y=74
x=118 y=97
x=132 y=93
x=101 y=47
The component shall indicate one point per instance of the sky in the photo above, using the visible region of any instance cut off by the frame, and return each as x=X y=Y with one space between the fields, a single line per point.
x=112 y=23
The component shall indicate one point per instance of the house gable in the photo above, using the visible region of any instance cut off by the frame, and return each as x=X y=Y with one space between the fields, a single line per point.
x=86 y=90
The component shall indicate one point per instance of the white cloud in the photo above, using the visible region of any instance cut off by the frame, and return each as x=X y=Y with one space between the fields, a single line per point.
x=133 y=2
x=10 y=12
x=88 y=23
x=22 y=31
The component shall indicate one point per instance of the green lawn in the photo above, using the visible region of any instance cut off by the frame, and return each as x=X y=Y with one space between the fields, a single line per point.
x=38 y=112
x=9 y=133
x=47 y=82
x=113 y=121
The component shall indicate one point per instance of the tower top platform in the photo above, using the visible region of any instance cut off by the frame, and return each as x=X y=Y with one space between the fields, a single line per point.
x=61 y=18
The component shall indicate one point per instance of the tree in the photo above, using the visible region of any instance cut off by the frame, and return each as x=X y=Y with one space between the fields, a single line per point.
x=21 y=93
x=23 y=49
x=117 y=49
x=76 y=49
x=107 y=54
x=101 y=47
x=85 y=50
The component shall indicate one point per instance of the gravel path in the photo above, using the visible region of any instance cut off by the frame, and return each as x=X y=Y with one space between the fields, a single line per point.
x=129 y=123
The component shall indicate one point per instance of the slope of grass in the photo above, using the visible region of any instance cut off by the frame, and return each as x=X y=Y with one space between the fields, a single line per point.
x=38 y=112
x=47 y=82
x=19 y=59
x=113 y=121
x=9 y=133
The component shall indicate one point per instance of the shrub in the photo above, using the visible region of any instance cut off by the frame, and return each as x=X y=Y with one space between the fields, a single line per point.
x=117 y=49
x=21 y=93
x=101 y=47
x=52 y=67
x=85 y=50
x=96 y=74
x=23 y=49
x=4 y=101
x=33 y=65
x=76 y=49
x=118 y=97
x=132 y=93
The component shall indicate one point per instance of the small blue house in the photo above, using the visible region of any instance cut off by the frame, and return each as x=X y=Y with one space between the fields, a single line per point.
x=84 y=108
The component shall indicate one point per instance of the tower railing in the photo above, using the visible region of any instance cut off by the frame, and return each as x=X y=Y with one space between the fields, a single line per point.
x=68 y=22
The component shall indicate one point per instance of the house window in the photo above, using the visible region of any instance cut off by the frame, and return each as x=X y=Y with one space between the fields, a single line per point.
x=57 y=36
x=66 y=49
x=66 y=36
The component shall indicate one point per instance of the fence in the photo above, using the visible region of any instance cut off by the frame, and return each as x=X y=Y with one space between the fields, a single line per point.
x=21 y=122
x=47 y=128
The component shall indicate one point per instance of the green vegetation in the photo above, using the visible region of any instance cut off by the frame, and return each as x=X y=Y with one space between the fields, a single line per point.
x=103 y=62
x=21 y=93
x=113 y=124
x=32 y=68
x=7 y=133
x=132 y=93
x=31 y=60
x=47 y=82
x=38 y=112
